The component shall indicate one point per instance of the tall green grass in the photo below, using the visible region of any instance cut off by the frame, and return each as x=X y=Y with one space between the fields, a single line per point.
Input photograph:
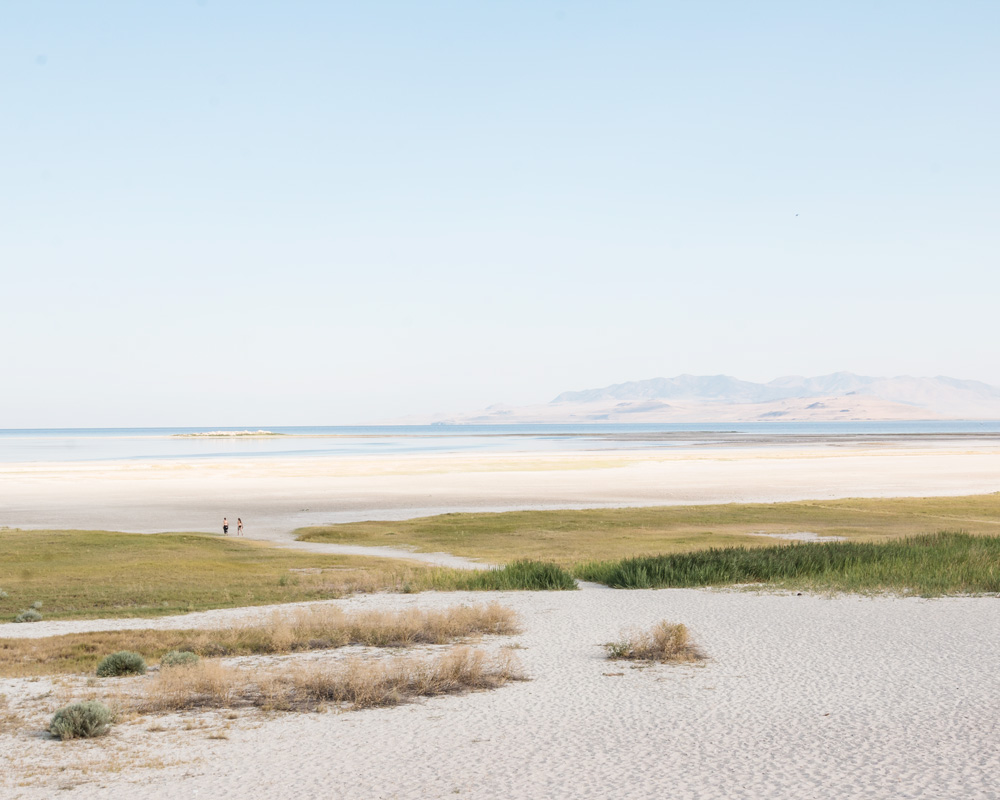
x=932 y=565
x=519 y=575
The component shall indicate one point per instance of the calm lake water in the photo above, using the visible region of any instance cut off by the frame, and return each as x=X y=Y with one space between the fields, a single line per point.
x=102 y=444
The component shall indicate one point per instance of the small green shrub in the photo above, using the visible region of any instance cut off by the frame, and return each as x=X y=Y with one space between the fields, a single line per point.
x=28 y=615
x=124 y=662
x=3 y=595
x=37 y=605
x=81 y=721
x=179 y=658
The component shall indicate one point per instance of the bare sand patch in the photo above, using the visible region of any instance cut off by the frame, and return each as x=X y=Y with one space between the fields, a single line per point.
x=803 y=696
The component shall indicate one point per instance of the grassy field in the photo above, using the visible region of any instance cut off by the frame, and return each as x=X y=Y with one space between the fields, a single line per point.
x=79 y=574
x=930 y=565
x=96 y=573
x=570 y=537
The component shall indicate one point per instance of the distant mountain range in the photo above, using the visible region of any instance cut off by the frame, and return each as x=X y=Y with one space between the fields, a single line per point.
x=701 y=398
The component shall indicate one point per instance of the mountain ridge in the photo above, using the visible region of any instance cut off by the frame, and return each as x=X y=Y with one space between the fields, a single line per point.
x=941 y=395
x=706 y=398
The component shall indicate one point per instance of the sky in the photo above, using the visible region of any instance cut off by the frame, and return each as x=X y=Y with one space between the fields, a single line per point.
x=321 y=213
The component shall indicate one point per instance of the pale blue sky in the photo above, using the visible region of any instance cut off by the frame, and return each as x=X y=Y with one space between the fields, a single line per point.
x=325 y=213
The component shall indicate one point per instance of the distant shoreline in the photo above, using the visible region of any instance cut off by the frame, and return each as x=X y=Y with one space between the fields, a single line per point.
x=176 y=445
x=228 y=434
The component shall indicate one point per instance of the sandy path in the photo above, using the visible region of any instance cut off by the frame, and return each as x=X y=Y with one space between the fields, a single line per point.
x=804 y=697
x=437 y=559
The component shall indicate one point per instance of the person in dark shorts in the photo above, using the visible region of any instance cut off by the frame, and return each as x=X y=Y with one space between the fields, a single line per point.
x=239 y=527
x=225 y=526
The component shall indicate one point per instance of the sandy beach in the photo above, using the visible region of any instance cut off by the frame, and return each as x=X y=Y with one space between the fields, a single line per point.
x=801 y=696
x=275 y=495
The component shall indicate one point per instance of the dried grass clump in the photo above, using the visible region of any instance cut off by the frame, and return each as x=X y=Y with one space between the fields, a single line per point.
x=354 y=683
x=299 y=630
x=666 y=642
x=323 y=627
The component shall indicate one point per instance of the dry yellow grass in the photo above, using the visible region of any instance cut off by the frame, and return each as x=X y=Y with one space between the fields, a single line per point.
x=354 y=683
x=567 y=537
x=665 y=642
x=105 y=574
x=10 y=721
x=301 y=629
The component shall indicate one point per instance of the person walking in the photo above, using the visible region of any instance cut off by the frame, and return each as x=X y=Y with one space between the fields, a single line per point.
x=225 y=526
x=239 y=527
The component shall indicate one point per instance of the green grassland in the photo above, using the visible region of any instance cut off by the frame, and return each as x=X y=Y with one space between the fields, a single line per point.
x=928 y=565
x=571 y=537
x=97 y=573
x=80 y=574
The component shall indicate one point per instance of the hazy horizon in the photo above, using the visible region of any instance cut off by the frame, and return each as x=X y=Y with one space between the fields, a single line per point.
x=322 y=214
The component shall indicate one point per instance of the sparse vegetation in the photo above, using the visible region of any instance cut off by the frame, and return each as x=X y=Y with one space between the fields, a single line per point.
x=124 y=662
x=569 y=537
x=944 y=563
x=666 y=642
x=355 y=683
x=81 y=721
x=179 y=658
x=288 y=631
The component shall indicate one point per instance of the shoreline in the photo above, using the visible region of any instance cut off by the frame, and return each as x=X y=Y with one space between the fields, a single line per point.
x=274 y=496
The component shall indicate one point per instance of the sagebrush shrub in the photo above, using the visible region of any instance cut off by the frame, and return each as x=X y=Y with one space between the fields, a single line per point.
x=28 y=615
x=179 y=658
x=124 y=662
x=81 y=721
